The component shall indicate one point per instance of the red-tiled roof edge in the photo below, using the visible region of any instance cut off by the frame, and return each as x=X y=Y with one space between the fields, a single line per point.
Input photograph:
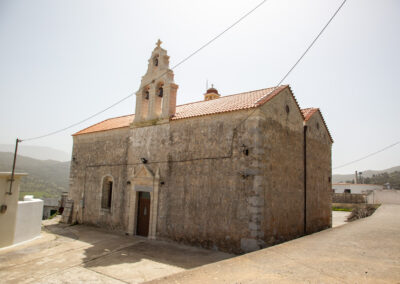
x=82 y=130
x=308 y=112
x=261 y=101
x=315 y=110
x=231 y=95
x=277 y=91
x=297 y=103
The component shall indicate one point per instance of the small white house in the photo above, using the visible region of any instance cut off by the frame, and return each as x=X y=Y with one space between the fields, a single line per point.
x=19 y=220
x=355 y=188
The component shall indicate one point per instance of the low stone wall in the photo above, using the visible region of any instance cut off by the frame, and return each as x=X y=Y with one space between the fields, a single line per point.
x=348 y=198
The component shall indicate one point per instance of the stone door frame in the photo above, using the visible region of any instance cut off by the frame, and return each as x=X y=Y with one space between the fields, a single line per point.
x=144 y=180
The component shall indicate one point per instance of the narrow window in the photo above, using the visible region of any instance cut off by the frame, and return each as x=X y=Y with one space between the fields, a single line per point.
x=160 y=92
x=106 y=193
x=155 y=60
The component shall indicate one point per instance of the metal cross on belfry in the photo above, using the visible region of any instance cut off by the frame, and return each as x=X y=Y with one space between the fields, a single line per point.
x=159 y=42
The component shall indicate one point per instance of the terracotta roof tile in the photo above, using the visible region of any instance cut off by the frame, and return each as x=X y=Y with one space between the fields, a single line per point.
x=108 y=124
x=309 y=112
x=227 y=103
x=223 y=104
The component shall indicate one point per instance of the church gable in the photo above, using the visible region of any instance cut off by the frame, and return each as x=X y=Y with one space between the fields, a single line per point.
x=283 y=107
x=316 y=125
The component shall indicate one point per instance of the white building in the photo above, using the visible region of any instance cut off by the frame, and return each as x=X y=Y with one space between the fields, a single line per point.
x=355 y=188
x=19 y=220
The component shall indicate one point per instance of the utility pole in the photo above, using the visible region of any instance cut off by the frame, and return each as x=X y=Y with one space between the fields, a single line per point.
x=13 y=167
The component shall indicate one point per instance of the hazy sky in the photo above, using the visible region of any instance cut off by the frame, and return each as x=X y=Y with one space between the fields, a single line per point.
x=62 y=61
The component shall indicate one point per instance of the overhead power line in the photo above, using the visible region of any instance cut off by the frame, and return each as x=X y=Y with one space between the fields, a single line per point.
x=298 y=60
x=367 y=156
x=312 y=43
x=175 y=66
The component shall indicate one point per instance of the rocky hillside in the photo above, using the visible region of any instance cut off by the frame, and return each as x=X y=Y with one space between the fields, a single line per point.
x=45 y=178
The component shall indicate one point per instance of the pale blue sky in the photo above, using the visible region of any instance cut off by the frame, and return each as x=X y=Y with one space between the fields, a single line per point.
x=61 y=61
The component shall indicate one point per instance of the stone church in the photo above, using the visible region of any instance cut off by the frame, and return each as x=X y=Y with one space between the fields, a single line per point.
x=230 y=172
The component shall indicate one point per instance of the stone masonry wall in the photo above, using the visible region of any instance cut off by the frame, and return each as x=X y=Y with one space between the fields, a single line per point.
x=204 y=198
x=94 y=156
x=319 y=172
x=281 y=149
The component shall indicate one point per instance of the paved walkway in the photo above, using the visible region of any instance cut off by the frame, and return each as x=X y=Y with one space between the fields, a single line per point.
x=339 y=218
x=83 y=254
x=364 y=251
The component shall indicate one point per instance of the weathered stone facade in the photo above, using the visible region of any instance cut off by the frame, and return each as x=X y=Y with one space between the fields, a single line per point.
x=233 y=180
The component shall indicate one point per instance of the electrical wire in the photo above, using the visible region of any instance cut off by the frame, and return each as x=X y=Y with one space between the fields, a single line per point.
x=298 y=61
x=367 y=156
x=175 y=66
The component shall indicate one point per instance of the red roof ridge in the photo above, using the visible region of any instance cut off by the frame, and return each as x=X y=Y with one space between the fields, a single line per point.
x=265 y=97
x=231 y=95
x=309 y=112
x=224 y=104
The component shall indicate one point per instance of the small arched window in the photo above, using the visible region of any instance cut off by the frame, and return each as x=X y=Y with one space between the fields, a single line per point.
x=106 y=192
x=161 y=91
x=155 y=60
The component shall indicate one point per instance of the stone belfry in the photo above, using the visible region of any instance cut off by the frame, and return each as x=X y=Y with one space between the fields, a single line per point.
x=156 y=98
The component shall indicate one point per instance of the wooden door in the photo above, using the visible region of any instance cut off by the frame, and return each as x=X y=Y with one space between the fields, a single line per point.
x=143 y=216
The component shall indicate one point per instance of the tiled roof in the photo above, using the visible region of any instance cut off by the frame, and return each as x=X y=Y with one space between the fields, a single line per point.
x=223 y=104
x=108 y=124
x=227 y=103
x=309 y=112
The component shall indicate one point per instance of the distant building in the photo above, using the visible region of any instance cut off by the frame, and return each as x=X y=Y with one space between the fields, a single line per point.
x=54 y=205
x=50 y=207
x=355 y=188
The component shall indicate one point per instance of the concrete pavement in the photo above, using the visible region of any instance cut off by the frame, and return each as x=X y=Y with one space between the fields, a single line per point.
x=363 y=251
x=83 y=254
x=367 y=250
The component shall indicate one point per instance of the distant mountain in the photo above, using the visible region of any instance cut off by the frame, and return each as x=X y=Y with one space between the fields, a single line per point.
x=365 y=174
x=45 y=178
x=37 y=152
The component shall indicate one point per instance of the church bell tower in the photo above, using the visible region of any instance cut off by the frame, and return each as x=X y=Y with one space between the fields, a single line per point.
x=156 y=97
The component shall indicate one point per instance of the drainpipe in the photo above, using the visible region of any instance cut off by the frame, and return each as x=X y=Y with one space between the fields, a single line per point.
x=305 y=178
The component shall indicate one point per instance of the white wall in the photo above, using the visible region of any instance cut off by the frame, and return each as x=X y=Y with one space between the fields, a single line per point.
x=355 y=188
x=9 y=203
x=29 y=219
x=384 y=196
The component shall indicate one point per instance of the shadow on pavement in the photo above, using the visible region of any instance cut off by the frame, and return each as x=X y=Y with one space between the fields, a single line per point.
x=109 y=249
